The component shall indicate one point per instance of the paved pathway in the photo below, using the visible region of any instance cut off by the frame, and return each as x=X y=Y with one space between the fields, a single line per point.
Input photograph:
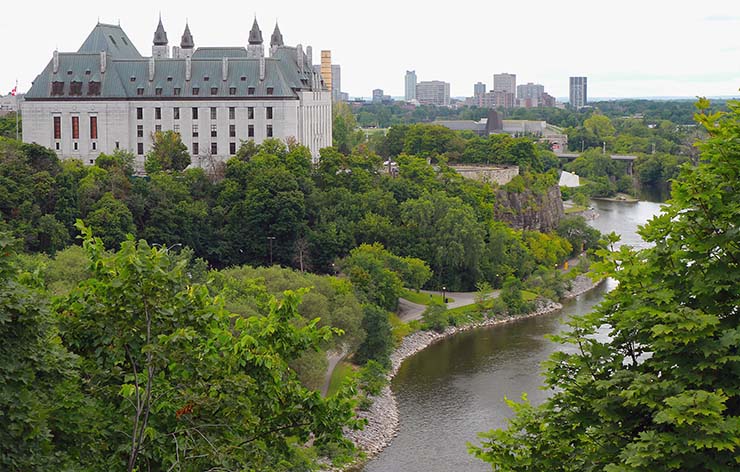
x=333 y=357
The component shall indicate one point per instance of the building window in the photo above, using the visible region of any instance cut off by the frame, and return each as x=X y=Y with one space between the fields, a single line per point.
x=268 y=113
x=213 y=113
x=140 y=91
x=214 y=90
x=196 y=90
x=250 y=113
x=157 y=113
x=93 y=88
x=250 y=131
x=206 y=79
x=57 y=88
x=176 y=113
x=139 y=131
x=75 y=146
x=57 y=127
x=132 y=78
x=232 y=149
x=232 y=113
x=195 y=113
x=270 y=90
x=243 y=78
x=58 y=146
x=196 y=149
x=214 y=149
x=250 y=91
x=176 y=128
x=94 y=146
x=158 y=91
x=75 y=127
x=140 y=149
x=269 y=131
x=176 y=91
x=75 y=88
x=232 y=90
x=157 y=128
x=93 y=127
x=139 y=113
x=195 y=130
x=232 y=131
x=118 y=145
x=214 y=131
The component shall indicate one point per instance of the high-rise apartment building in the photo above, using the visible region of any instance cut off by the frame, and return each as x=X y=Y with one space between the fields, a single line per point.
x=336 y=83
x=326 y=68
x=410 y=85
x=530 y=91
x=433 y=92
x=578 y=92
x=479 y=89
x=378 y=96
x=504 y=83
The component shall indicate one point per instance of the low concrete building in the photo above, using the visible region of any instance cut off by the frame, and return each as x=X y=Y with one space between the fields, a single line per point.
x=500 y=175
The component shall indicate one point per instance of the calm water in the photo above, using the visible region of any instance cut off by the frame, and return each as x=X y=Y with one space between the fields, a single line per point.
x=456 y=388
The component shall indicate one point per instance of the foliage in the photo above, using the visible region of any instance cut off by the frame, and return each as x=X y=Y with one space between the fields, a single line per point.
x=660 y=392
x=187 y=383
x=373 y=377
x=435 y=318
x=579 y=234
x=168 y=153
x=378 y=342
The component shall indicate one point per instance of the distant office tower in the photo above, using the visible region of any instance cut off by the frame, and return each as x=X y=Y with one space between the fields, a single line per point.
x=410 y=85
x=479 y=89
x=336 y=83
x=504 y=83
x=530 y=91
x=326 y=68
x=433 y=92
x=494 y=99
x=578 y=92
x=377 y=95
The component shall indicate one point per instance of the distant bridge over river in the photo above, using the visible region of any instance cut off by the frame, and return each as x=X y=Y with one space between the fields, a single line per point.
x=617 y=157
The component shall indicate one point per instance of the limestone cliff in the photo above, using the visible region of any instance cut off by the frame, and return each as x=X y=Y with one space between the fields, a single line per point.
x=530 y=209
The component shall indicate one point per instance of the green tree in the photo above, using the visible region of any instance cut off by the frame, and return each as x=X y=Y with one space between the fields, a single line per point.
x=378 y=343
x=168 y=153
x=661 y=391
x=112 y=219
x=187 y=384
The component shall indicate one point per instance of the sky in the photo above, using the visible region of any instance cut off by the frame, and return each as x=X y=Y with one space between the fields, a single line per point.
x=626 y=48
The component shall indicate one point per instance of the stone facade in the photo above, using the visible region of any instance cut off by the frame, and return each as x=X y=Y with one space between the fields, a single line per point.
x=500 y=175
x=106 y=97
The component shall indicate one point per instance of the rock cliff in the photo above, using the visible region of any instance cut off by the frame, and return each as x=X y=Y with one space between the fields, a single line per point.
x=529 y=209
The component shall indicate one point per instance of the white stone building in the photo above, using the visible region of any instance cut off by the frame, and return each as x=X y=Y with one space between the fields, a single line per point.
x=107 y=96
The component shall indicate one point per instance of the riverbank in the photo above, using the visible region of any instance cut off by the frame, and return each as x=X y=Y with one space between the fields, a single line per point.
x=383 y=416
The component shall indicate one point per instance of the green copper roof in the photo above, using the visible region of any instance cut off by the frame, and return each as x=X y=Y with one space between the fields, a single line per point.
x=111 y=39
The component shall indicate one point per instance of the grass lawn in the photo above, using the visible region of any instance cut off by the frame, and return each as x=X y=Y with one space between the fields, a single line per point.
x=575 y=209
x=341 y=371
x=528 y=296
x=422 y=298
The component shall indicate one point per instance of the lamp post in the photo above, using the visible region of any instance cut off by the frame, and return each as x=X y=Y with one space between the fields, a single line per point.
x=270 y=239
x=444 y=295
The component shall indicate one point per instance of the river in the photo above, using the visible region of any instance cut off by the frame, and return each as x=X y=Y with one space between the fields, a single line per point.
x=455 y=388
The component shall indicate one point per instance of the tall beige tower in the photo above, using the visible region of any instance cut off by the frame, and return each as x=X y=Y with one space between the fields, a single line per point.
x=326 y=68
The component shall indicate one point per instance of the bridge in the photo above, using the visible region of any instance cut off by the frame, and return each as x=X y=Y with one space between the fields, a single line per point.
x=617 y=157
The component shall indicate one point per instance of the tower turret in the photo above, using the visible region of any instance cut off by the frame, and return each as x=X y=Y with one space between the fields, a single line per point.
x=255 y=49
x=187 y=45
x=276 y=40
x=160 y=49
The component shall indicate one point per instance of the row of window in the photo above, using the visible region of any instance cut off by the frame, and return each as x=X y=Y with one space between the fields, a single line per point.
x=177 y=91
x=196 y=133
x=75 y=88
x=196 y=149
x=194 y=110
x=75 y=127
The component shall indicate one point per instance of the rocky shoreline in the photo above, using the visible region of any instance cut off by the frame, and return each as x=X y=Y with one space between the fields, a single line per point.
x=382 y=417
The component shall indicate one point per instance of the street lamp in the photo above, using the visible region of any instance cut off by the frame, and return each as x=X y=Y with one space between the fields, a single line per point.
x=444 y=294
x=270 y=239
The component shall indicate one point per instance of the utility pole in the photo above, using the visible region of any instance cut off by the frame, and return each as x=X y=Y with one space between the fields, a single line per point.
x=270 y=239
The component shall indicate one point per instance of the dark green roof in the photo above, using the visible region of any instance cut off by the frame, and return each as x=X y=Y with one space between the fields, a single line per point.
x=111 y=39
x=220 y=53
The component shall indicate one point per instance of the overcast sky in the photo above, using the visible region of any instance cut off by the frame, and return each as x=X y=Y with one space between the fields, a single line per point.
x=626 y=48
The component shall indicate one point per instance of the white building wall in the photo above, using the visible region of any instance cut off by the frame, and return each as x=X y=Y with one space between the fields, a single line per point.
x=307 y=119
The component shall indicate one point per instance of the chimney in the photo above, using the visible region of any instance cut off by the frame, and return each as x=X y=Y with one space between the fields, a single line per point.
x=299 y=57
x=225 y=69
x=56 y=61
x=103 y=61
x=309 y=53
x=262 y=68
x=151 y=69
x=188 y=68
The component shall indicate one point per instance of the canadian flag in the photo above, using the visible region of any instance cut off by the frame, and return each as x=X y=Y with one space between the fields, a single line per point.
x=13 y=92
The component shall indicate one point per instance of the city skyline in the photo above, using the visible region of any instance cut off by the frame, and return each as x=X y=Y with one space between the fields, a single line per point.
x=650 y=54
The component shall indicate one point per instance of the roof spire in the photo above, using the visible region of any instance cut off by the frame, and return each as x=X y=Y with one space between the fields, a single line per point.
x=160 y=35
x=187 y=38
x=255 y=36
x=277 y=37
